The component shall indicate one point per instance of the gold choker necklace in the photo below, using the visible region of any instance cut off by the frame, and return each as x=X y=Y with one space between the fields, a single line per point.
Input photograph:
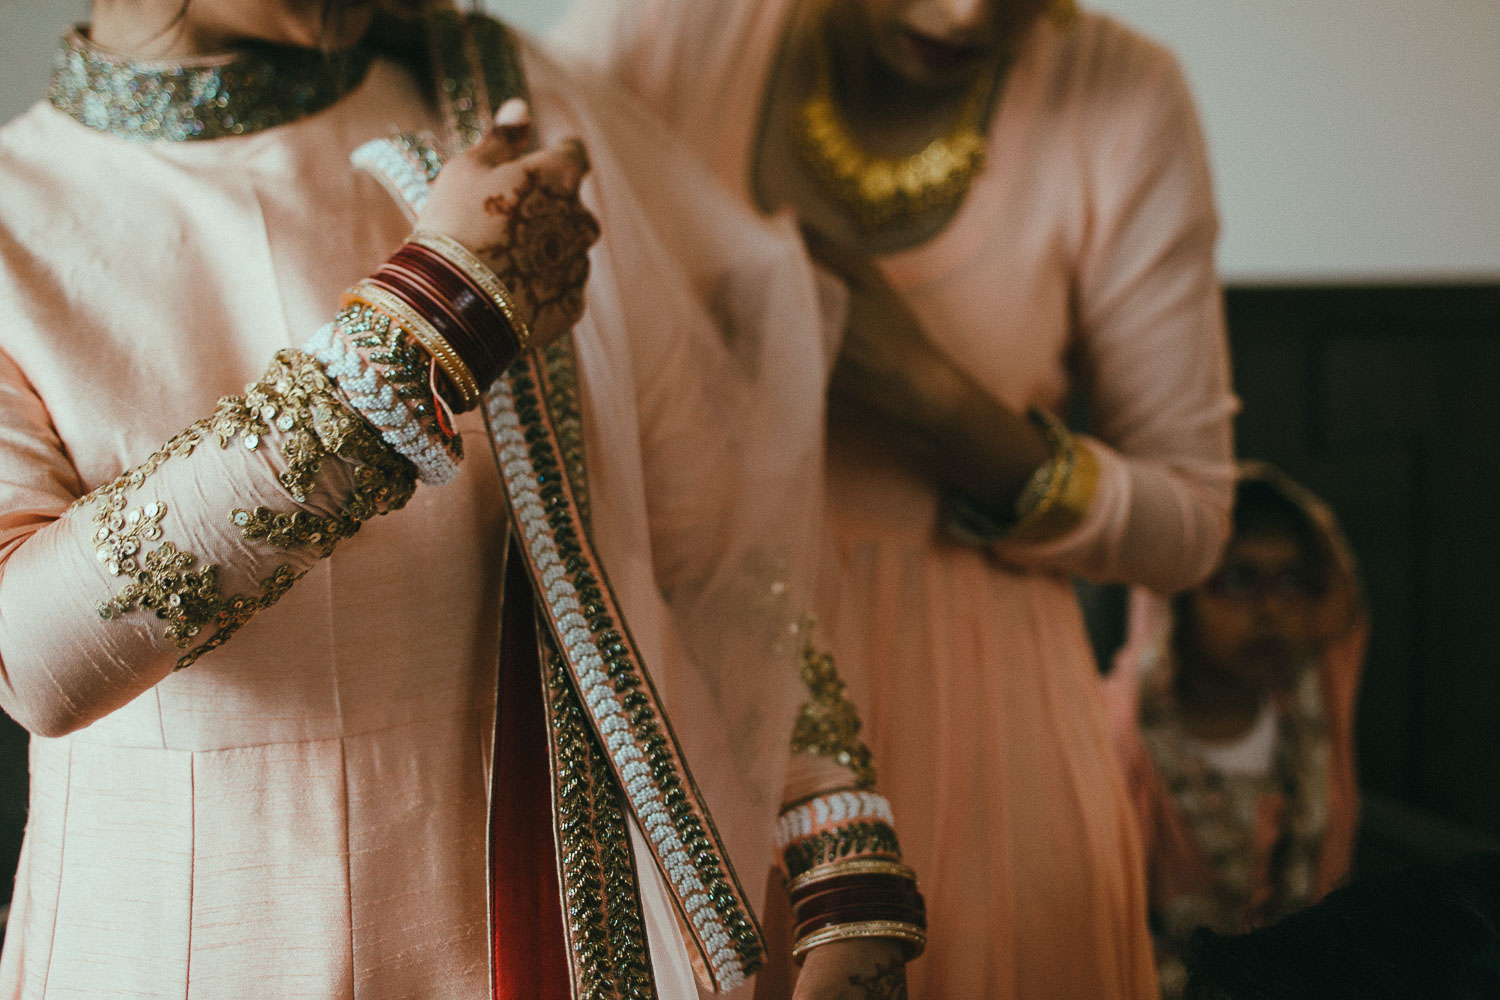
x=879 y=191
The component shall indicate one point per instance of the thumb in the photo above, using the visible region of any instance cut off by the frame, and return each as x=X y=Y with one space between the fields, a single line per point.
x=509 y=137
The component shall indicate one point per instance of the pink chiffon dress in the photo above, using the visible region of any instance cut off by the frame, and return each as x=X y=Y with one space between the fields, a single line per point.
x=1080 y=265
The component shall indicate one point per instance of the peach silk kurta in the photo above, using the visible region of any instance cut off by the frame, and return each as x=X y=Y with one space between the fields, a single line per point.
x=302 y=813
x=1082 y=262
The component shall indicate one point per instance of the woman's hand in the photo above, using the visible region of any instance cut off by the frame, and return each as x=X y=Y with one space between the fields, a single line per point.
x=862 y=969
x=520 y=213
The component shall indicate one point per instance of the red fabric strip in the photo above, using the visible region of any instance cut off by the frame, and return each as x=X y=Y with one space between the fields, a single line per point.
x=530 y=948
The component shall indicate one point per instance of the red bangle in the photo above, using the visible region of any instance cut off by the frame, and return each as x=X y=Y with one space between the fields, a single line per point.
x=862 y=906
x=857 y=915
x=462 y=315
x=495 y=342
x=857 y=882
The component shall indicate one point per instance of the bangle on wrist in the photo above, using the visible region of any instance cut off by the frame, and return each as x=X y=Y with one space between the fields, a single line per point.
x=1053 y=500
x=1060 y=493
x=459 y=378
x=454 y=307
x=846 y=879
x=912 y=936
x=477 y=271
x=845 y=869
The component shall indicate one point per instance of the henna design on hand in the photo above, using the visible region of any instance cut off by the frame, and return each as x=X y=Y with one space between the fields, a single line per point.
x=888 y=982
x=543 y=257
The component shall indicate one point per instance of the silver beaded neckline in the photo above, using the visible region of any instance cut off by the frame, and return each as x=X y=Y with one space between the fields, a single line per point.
x=207 y=98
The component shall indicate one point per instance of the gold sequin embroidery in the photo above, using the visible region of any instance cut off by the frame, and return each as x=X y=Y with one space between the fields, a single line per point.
x=828 y=725
x=293 y=407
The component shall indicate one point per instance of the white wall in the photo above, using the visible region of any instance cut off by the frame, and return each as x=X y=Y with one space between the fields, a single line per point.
x=1352 y=139
x=29 y=30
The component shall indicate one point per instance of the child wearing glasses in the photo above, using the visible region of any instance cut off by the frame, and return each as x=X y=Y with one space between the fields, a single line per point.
x=1236 y=704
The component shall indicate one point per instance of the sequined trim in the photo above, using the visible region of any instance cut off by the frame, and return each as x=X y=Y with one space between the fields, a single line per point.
x=828 y=725
x=615 y=686
x=609 y=954
x=827 y=812
x=458 y=43
x=386 y=377
x=237 y=94
x=559 y=374
x=605 y=923
x=406 y=163
x=294 y=408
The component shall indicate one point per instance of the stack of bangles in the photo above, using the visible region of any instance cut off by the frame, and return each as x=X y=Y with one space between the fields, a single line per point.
x=448 y=301
x=863 y=898
x=846 y=879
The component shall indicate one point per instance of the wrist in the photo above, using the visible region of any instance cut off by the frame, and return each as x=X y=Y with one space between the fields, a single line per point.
x=845 y=878
x=454 y=307
x=1047 y=504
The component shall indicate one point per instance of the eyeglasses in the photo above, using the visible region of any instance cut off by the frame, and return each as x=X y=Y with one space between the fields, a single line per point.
x=1251 y=583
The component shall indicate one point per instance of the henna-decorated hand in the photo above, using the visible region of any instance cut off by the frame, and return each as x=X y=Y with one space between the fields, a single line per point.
x=862 y=969
x=521 y=214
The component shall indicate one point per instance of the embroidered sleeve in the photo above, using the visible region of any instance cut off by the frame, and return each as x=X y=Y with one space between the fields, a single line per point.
x=165 y=563
x=828 y=723
x=293 y=413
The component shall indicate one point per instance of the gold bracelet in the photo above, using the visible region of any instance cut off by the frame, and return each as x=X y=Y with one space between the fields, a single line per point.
x=911 y=935
x=857 y=866
x=478 y=272
x=422 y=332
x=1059 y=494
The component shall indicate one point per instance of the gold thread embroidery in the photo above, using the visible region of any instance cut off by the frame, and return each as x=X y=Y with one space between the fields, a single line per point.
x=608 y=952
x=294 y=405
x=828 y=725
x=605 y=925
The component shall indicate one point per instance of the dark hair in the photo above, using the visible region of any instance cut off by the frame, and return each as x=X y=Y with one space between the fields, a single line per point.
x=1425 y=932
x=1262 y=507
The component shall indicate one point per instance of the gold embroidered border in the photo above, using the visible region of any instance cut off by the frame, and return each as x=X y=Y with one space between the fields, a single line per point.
x=605 y=922
x=828 y=725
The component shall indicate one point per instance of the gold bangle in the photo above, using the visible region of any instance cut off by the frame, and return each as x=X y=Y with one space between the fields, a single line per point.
x=422 y=332
x=478 y=272
x=1059 y=493
x=858 y=866
x=914 y=937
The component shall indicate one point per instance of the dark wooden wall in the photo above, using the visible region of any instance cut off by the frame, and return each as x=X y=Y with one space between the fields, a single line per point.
x=1386 y=401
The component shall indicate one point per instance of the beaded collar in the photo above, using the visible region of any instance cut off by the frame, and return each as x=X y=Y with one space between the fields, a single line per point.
x=212 y=97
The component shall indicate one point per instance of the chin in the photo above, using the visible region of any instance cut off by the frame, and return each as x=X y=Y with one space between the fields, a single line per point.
x=304 y=27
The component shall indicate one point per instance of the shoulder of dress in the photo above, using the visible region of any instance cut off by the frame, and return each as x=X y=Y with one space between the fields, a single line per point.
x=1103 y=59
x=30 y=136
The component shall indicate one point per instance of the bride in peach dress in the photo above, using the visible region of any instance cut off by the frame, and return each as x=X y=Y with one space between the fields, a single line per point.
x=1018 y=195
x=320 y=707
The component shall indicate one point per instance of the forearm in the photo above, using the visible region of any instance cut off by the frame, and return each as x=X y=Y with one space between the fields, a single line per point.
x=151 y=571
x=983 y=448
x=1155 y=522
x=853 y=900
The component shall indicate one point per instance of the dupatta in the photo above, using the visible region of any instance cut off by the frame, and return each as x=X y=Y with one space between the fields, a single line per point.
x=661 y=465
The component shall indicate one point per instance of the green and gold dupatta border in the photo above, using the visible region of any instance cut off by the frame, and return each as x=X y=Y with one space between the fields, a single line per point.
x=609 y=957
x=595 y=674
